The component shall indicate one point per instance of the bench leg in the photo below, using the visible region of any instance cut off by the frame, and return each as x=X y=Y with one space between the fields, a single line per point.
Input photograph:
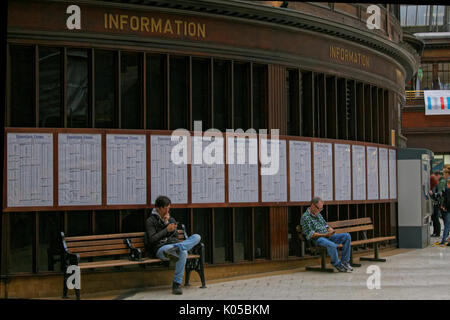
x=64 y=296
x=356 y=265
x=187 y=276
x=376 y=257
x=323 y=266
x=77 y=293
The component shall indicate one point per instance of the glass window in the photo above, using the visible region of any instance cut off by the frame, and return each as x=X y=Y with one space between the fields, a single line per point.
x=222 y=235
x=22 y=112
x=444 y=75
x=105 y=89
x=130 y=84
x=77 y=89
x=261 y=232
x=292 y=104
x=446 y=159
x=78 y=223
x=50 y=97
x=179 y=109
x=132 y=221
x=105 y=222
x=259 y=97
x=201 y=93
x=50 y=226
x=182 y=216
x=242 y=218
x=241 y=96
x=202 y=226
x=21 y=230
x=403 y=15
x=156 y=92
x=427 y=78
x=438 y=15
x=221 y=93
x=411 y=16
x=423 y=15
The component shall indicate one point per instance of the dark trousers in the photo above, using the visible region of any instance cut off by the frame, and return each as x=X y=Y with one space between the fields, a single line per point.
x=436 y=221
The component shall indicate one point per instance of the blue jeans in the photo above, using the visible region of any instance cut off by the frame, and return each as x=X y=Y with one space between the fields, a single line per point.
x=446 y=218
x=184 y=246
x=332 y=243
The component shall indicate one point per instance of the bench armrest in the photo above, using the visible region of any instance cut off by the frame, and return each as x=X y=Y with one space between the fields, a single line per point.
x=68 y=258
x=135 y=253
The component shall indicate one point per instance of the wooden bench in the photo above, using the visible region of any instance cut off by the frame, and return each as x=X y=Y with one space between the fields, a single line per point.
x=353 y=225
x=127 y=248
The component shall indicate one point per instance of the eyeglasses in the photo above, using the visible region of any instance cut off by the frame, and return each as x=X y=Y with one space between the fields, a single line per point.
x=320 y=209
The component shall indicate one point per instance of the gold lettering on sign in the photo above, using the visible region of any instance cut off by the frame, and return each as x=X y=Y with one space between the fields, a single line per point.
x=154 y=25
x=346 y=55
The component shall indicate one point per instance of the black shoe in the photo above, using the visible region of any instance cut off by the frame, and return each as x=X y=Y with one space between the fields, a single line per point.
x=176 y=288
x=173 y=253
x=340 y=268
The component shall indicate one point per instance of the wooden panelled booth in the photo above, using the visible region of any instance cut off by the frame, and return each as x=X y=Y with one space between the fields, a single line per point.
x=148 y=68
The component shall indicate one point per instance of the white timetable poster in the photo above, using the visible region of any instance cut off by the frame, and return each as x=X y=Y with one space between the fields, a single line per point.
x=79 y=169
x=384 y=173
x=342 y=173
x=126 y=174
x=372 y=173
x=300 y=170
x=208 y=170
x=242 y=169
x=273 y=186
x=167 y=178
x=392 y=174
x=30 y=169
x=359 y=172
x=323 y=171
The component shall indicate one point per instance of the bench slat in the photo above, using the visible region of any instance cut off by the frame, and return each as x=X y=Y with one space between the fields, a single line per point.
x=102 y=242
x=123 y=262
x=104 y=253
x=354 y=229
x=103 y=248
x=366 y=241
x=348 y=223
x=106 y=236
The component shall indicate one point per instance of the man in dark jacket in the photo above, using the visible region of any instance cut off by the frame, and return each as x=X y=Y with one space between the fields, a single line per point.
x=446 y=211
x=162 y=240
x=435 y=194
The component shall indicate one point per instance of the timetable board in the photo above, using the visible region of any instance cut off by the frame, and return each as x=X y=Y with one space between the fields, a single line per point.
x=300 y=171
x=359 y=172
x=372 y=173
x=29 y=169
x=126 y=174
x=242 y=162
x=392 y=174
x=208 y=170
x=79 y=169
x=167 y=178
x=342 y=173
x=323 y=171
x=384 y=173
x=273 y=170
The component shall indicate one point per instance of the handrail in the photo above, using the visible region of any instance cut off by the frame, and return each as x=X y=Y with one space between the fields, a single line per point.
x=414 y=95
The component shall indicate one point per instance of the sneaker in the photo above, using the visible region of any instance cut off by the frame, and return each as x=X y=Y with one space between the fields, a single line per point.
x=172 y=253
x=347 y=266
x=176 y=288
x=339 y=267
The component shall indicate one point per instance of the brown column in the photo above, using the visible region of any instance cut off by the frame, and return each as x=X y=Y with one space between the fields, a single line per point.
x=276 y=119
